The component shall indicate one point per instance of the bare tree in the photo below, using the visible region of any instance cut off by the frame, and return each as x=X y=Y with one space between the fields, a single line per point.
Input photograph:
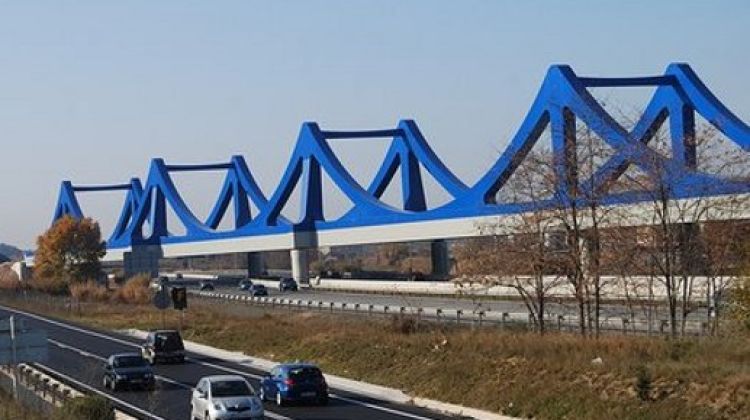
x=678 y=254
x=517 y=251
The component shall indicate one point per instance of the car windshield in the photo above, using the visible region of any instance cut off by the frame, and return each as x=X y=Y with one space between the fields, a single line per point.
x=220 y=389
x=168 y=342
x=128 y=361
x=306 y=372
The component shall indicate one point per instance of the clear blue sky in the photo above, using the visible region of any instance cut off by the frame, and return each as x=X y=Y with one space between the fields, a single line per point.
x=91 y=90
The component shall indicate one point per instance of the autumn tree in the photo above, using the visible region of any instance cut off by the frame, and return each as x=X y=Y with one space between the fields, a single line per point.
x=68 y=252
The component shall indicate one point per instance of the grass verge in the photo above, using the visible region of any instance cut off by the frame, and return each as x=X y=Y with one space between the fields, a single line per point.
x=10 y=409
x=516 y=373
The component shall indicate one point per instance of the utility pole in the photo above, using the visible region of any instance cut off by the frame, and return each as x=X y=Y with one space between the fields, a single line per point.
x=14 y=358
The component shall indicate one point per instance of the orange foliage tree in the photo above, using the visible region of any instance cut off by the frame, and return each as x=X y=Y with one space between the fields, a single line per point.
x=69 y=252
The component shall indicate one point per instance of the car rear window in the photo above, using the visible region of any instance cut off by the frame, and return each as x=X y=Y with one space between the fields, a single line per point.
x=230 y=389
x=128 y=361
x=306 y=372
x=169 y=342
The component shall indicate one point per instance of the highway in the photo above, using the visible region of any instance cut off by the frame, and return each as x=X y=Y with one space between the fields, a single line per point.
x=77 y=354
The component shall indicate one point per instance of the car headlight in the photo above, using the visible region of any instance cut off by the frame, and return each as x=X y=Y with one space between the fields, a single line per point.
x=120 y=377
x=218 y=406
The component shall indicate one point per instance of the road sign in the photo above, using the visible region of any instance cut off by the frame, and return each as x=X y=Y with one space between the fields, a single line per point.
x=179 y=298
x=161 y=298
x=19 y=344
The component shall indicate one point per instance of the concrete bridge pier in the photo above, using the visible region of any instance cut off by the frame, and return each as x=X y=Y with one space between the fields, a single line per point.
x=256 y=264
x=440 y=256
x=691 y=252
x=142 y=259
x=300 y=265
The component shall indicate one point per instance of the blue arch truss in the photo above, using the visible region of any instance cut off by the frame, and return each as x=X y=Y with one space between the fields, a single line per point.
x=561 y=102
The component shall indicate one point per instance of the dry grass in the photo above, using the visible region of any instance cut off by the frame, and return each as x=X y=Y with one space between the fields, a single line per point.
x=89 y=292
x=135 y=290
x=516 y=373
x=11 y=410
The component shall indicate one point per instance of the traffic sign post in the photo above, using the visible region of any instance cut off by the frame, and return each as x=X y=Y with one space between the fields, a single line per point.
x=179 y=298
x=20 y=345
x=179 y=302
x=161 y=301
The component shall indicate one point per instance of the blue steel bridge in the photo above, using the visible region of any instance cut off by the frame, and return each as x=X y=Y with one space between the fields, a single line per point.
x=142 y=233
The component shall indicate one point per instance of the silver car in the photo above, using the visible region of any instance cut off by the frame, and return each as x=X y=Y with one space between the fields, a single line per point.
x=225 y=397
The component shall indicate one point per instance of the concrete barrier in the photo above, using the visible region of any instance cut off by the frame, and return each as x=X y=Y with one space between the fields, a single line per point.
x=50 y=389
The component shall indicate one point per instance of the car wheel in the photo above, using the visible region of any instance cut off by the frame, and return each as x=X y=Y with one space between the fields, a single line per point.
x=105 y=383
x=279 y=400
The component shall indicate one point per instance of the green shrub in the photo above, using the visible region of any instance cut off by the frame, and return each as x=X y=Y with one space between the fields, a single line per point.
x=643 y=383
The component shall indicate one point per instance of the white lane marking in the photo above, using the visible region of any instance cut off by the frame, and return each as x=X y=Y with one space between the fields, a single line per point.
x=162 y=378
x=377 y=407
x=213 y=365
x=226 y=369
x=104 y=394
x=100 y=358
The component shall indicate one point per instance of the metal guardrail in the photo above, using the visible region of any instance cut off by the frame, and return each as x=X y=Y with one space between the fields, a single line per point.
x=477 y=317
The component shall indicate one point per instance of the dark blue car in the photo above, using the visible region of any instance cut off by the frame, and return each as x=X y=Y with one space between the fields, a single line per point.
x=294 y=382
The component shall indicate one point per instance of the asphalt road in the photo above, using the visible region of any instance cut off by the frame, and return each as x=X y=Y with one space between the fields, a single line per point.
x=77 y=354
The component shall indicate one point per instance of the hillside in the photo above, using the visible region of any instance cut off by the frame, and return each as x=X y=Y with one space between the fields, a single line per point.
x=9 y=252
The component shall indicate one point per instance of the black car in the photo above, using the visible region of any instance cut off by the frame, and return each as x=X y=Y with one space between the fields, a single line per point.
x=163 y=345
x=127 y=370
x=245 y=284
x=205 y=286
x=287 y=283
x=258 y=290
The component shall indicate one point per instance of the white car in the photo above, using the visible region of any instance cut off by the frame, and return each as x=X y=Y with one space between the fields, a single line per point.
x=225 y=397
